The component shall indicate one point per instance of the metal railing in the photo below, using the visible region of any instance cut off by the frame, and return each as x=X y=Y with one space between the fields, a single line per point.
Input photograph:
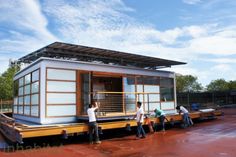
x=6 y=106
x=119 y=102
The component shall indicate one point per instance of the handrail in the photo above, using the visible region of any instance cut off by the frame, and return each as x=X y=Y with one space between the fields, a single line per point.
x=125 y=92
x=110 y=102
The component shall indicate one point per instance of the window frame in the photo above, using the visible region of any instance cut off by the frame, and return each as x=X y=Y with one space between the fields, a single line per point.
x=18 y=105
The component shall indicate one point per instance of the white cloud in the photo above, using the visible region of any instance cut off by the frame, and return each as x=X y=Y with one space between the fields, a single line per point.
x=222 y=67
x=191 y=1
x=222 y=60
x=106 y=24
x=25 y=28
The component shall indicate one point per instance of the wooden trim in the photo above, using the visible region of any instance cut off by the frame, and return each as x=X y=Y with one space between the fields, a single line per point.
x=123 y=96
x=39 y=97
x=57 y=92
x=78 y=93
x=29 y=94
x=55 y=80
x=61 y=104
x=127 y=93
x=106 y=74
x=46 y=89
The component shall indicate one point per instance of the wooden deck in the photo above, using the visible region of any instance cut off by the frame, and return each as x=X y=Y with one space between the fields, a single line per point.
x=16 y=132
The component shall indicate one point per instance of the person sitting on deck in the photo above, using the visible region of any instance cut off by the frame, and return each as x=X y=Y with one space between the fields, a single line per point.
x=186 y=119
x=161 y=115
x=140 y=117
x=93 y=127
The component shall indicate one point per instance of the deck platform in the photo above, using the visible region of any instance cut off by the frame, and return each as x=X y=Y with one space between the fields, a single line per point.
x=16 y=131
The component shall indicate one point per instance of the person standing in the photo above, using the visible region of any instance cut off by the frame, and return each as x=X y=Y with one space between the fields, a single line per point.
x=161 y=115
x=186 y=119
x=93 y=126
x=140 y=118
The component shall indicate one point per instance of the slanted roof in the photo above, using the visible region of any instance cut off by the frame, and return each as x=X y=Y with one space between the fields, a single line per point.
x=91 y=54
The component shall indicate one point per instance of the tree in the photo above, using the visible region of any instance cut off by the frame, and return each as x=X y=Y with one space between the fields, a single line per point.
x=232 y=85
x=6 y=83
x=187 y=83
x=218 y=85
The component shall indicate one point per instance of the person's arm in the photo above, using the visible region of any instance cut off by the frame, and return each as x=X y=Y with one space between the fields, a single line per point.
x=96 y=106
x=180 y=111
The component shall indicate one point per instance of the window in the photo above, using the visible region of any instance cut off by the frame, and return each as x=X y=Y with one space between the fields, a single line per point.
x=167 y=89
x=27 y=100
x=27 y=89
x=26 y=92
x=129 y=86
x=151 y=80
x=35 y=87
x=21 y=81
x=16 y=88
x=151 y=90
x=35 y=99
x=35 y=76
x=27 y=79
x=21 y=89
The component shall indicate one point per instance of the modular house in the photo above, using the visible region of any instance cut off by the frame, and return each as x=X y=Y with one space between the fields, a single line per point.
x=62 y=79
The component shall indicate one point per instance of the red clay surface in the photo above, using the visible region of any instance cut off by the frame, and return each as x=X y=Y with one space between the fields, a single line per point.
x=215 y=138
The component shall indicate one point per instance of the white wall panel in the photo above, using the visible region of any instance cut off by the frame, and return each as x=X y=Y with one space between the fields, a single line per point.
x=61 y=98
x=62 y=110
x=59 y=74
x=167 y=105
x=59 y=86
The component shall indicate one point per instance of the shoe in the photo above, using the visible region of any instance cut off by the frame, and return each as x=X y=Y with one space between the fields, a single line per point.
x=90 y=142
x=163 y=130
x=143 y=137
x=98 y=142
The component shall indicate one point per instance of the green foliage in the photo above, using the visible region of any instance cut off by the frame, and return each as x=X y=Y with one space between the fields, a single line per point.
x=6 y=83
x=187 y=83
x=221 y=85
x=232 y=85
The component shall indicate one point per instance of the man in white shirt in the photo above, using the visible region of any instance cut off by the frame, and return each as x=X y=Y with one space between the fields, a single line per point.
x=187 y=120
x=93 y=127
x=140 y=117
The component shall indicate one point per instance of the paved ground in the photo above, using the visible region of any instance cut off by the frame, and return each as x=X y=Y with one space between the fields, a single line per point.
x=215 y=138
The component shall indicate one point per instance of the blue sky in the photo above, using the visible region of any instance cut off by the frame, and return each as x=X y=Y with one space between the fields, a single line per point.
x=199 y=32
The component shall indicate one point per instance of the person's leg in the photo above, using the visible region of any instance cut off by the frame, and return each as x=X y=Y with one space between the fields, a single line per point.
x=155 y=127
x=91 y=133
x=96 y=132
x=162 y=120
x=142 y=130
x=138 y=129
x=185 y=119
x=190 y=122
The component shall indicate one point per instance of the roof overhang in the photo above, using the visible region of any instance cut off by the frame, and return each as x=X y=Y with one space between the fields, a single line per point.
x=73 y=52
